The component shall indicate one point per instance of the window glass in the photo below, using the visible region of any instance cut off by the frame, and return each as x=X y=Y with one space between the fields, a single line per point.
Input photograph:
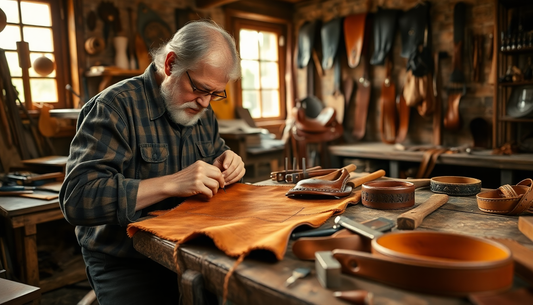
x=40 y=39
x=268 y=46
x=36 y=13
x=9 y=37
x=43 y=90
x=269 y=75
x=19 y=88
x=13 y=64
x=250 y=74
x=270 y=103
x=11 y=10
x=250 y=101
x=249 y=47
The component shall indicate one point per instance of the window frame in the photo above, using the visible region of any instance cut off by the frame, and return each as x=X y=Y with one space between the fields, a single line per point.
x=239 y=19
x=61 y=55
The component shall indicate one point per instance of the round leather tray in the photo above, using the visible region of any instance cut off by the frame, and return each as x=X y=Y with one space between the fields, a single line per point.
x=455 y=185
x=433 y=262
x=388 y=195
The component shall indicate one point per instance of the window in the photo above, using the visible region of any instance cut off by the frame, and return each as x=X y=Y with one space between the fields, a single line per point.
x=262 y=49
x=34 y=52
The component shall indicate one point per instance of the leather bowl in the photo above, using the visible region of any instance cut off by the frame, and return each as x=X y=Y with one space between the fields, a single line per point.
x=388 y=195
x=455 y=185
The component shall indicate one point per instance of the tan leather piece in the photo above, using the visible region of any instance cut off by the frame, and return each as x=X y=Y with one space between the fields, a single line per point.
x=242 y=219
x=497 y=202
x=362 y=99
x=432 y=262
x=354 y=32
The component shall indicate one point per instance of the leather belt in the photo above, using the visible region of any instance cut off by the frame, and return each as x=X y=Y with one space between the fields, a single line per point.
x=429 y=159
x=507 y=199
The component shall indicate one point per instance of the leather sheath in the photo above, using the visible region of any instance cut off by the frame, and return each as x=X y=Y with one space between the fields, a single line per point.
x=412 y=24
x=508 y=200
x=336 y=186
x=354 y=32
x=384 y=27
x=330 y=34
x=306 y=40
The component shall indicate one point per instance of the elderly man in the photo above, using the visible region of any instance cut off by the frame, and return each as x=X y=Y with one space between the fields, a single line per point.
x=145 y=144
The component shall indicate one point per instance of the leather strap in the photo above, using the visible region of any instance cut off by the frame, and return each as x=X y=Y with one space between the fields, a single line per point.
x=388 y=114
x=437 y=113
x=507 y=199
x=305 y=247
x=429 y=159
x=362 y=95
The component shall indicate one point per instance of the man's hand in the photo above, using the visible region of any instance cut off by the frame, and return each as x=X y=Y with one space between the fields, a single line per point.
x=231 y=166
x=198 y=178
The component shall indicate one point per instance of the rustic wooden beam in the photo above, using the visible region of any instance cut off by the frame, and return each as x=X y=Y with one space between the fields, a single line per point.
x=202 y=4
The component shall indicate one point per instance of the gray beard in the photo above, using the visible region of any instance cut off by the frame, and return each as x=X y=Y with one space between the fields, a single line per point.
x=169 y=91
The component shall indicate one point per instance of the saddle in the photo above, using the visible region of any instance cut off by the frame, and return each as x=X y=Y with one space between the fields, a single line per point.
x=320 y=128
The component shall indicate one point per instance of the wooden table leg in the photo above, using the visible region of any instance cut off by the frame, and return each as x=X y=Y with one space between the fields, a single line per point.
x=192 y=284
x=31 y=269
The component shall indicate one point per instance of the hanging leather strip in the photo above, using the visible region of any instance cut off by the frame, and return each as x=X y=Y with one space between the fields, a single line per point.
x=330 y=34
x=336 y=99
x=387 y=101
x=364 y=88
x=384 y=28
x=306 y=39
x=354 y=33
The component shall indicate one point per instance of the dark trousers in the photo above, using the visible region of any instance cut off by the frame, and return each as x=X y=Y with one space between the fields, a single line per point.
x=130 y=281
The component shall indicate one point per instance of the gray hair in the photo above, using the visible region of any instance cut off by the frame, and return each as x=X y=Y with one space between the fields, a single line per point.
x=195 y=43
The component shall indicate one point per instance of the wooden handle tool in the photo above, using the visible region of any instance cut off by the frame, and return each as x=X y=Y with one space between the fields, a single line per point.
x=370 y=177
x=410 y=220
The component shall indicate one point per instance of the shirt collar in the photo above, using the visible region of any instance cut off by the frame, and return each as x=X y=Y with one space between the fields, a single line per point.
x=156 y=104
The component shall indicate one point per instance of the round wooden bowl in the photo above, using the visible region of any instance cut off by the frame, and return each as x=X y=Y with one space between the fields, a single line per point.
x=388 y=195
x=455 y=185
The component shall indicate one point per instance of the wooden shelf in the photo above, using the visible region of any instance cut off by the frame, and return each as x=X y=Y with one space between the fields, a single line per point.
x=511 y=119
x=514 y=84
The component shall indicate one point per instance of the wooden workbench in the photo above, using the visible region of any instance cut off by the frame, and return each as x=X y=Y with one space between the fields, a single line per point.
x=259 y=280
x=22 y=217
x=506 y=164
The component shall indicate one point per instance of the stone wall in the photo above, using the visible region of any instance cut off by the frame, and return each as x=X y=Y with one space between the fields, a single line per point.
x=476 y=103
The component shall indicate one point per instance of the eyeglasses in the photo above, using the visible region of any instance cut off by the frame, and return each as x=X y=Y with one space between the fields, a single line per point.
x=214 y=96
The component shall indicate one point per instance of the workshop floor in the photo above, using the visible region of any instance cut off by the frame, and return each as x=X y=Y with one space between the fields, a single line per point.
x=68 y=295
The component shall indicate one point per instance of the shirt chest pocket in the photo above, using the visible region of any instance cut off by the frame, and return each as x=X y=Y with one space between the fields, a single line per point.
x=154 y=157
x=206 y=151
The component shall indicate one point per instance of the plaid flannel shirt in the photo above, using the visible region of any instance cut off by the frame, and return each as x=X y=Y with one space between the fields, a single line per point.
x=124 y=134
